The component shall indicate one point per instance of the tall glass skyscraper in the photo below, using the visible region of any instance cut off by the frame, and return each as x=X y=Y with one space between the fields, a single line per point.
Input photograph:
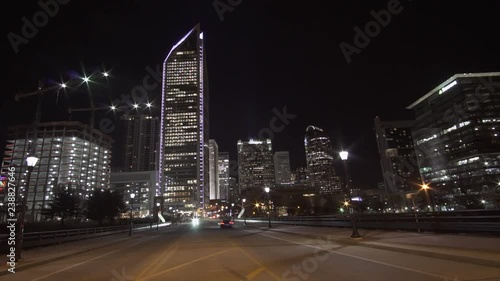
x=282 y=173
x=213 y=168
x=320 y=158
x=184 y=125
x=397 y=155
x=457 y=138
x=223 y=171
x=255 y=164
x=141 y=142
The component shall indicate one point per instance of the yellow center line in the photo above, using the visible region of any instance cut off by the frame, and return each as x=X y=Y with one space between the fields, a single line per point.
x=164 y=256
x=254 y=273
x=183 y=265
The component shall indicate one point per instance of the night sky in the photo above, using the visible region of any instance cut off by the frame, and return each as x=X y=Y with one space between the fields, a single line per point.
x=263 y=55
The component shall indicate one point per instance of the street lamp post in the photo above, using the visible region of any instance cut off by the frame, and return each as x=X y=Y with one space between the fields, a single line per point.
x=132 y=195
x=426 y=187
x=31 y=163
x=355 y=234
x=244 y=211
x=267 y=189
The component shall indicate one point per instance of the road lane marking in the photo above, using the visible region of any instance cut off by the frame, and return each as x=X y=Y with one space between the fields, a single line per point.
x=361 y=258
x=254 y=273
x=167 y=253
x=183 y=265
x=86 y=261
x=255 y=261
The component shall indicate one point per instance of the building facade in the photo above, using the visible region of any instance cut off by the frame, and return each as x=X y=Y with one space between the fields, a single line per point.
x=223 y=176
x=397 y=155
x=142 y=184
x=72 y=156
x=456 y=136
x=141 y=143
x=213 y=168
x=282 y=174
x=320 y=161
x=255 y=164
x=184 y=126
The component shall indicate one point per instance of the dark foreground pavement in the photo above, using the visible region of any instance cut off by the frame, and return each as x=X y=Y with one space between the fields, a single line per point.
x=253 y=252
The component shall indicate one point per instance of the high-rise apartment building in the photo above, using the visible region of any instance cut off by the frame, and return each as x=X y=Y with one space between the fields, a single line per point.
x=456 y=135
x=397 y=155
x=320 y=161
x=282 y=174
x=255 y=164
x=72 y=156
x=184 y=125
x=213 y=168
x=223 y=176
x=141 y=143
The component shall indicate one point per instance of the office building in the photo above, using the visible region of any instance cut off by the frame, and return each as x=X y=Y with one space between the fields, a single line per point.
x=223 y=176
x=142 y=184
x=213 y=168
x=255 y=164
x=233 y=191
x=184 y=126
x=72 y=156
x=456 y=135
x=300 y=175
x=320 y=161
x=141 y=140
x=282 y=174
x=397 y=155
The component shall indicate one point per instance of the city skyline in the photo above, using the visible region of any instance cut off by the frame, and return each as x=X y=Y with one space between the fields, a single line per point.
x=246 y=102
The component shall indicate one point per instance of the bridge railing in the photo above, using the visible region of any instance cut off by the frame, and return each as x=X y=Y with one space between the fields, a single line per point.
x=31 y=239
x=464 y=221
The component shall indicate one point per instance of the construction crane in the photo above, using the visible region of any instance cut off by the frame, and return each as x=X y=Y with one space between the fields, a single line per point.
x=41 y=90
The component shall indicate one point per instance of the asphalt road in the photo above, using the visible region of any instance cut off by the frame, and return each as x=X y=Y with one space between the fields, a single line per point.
x=207 y=252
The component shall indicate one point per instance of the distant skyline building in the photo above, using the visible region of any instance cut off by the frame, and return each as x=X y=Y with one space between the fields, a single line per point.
x=184 y=125
x=255 y=163
x=141 y=142
x=282 y=174
x=213 y=168
x=320 y=158
x=223 y=176
x=300 y=175
x=456 y=135
x=397 y=155
x=233 y=191
x=72 y=156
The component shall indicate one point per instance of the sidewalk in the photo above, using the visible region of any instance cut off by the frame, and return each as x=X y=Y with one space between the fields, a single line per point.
x=470 y=248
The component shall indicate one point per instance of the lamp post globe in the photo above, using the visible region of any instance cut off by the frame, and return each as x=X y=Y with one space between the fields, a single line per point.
x=31 y=162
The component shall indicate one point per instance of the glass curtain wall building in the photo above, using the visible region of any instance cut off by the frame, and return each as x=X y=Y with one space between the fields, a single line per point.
x=255 y=164
x=320 y=161
x=184 y=126
x=457 y=138
x=73 y=157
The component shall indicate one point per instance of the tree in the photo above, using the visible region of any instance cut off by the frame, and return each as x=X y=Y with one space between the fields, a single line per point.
x=65 y=204
x=104 y=204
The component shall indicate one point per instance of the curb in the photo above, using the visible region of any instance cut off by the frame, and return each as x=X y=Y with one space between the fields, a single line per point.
x=360 y=242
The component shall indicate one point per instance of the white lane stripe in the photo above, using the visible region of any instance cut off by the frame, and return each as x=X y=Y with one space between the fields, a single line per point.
x=361 y=258
x=83 y=262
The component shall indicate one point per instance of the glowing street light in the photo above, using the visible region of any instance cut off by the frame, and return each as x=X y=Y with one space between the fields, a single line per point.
x=343 y=155
x=267 y=189
x=113 y=107
x=63 y=85
x=148 y=104
x=132 y=195
x=136 y=106
x=31 y=163
x=86 y=79
x=105 y=74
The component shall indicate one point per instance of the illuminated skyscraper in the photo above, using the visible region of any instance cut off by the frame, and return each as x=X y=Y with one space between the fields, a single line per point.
x=141 y=141
x=223 y=171
x=456 y=136
x=320 y=157
x=184 y=125
x=255 y=164
x=213 y=168
x=397 y=155
x=282 y=167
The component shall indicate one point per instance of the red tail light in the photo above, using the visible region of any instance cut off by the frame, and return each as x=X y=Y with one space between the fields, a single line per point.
x=231 y=222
